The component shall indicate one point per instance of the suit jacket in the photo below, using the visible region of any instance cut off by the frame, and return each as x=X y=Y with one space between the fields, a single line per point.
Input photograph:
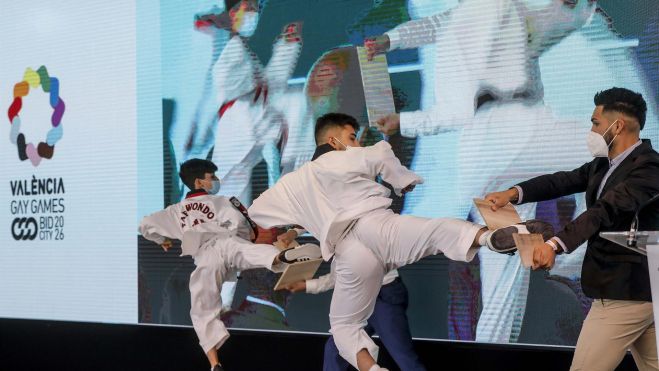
x=609 y=271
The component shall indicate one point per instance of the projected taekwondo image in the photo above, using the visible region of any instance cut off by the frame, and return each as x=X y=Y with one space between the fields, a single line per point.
x=473 y=96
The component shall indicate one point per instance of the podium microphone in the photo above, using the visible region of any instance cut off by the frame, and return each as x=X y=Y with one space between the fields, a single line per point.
x=632 y=239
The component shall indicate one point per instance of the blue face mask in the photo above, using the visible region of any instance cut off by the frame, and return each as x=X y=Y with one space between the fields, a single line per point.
x=215 y=188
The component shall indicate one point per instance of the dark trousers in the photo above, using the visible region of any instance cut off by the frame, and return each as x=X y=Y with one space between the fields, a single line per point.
x=389 y=321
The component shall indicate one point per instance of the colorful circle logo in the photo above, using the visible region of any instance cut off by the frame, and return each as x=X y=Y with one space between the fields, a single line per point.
x=49 y=84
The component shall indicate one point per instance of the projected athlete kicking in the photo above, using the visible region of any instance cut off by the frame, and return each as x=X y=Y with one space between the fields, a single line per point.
x=488 y=86
x=216 y=235
x=337 y=199
x=250 y=126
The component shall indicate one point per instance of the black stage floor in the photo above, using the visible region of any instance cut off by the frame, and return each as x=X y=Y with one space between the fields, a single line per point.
x=52 y=345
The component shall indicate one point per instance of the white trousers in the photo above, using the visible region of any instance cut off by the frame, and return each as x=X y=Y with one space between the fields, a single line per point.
x=216 y=261
x=379 y=242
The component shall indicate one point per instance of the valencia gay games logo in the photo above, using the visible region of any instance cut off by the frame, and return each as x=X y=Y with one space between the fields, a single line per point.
x=49 y=84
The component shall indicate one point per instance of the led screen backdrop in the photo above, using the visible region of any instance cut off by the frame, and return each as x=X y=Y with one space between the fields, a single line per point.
x=105 y=101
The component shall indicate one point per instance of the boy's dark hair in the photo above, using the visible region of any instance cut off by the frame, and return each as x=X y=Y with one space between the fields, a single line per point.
x=624 y=101
x=195 y=169
x=332 y=120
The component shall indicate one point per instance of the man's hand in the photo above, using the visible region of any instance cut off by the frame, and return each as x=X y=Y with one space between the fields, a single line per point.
x=166 y=245
x=501 y=199
x=292 y=32
x=376 y=45
x=543 y=257
x=287 y=237
x=389 y=124
x=299 y=286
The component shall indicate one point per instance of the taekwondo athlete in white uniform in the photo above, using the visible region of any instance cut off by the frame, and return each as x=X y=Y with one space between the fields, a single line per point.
x=389 y=319
x=250 y=126
x=337 y=199
x=215 y=231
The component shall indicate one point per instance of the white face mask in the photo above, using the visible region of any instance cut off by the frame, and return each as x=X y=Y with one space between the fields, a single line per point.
x=597 y=144
x=248 y=25
x=344 y=146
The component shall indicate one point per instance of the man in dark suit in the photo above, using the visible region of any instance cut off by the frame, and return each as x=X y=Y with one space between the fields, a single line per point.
x=622 y=177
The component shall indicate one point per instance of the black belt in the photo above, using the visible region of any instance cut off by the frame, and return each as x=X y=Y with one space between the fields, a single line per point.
x=243 y=210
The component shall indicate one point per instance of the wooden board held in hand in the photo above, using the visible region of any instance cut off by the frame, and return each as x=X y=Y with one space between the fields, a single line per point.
x=525 y=245
x=377 y=86
x=503 y=217
x=295 y=272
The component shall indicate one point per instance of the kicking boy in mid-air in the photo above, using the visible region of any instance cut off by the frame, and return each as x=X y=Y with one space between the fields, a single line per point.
x=338 y=200
x=215 y=231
